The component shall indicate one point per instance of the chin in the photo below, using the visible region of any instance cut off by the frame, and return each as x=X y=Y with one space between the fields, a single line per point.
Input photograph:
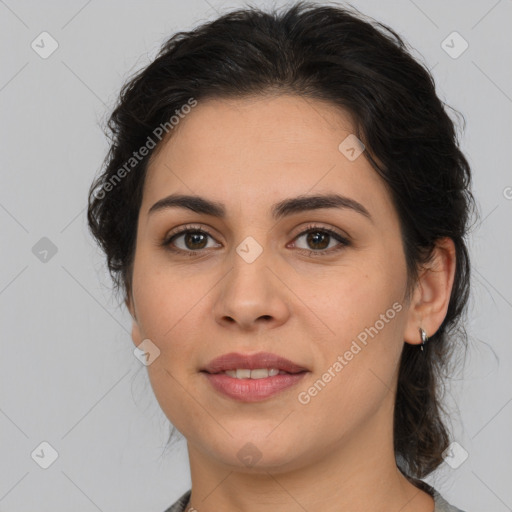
x=258 y=453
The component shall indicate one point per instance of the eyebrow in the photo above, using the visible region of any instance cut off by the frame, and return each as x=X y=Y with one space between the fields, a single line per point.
x=279 y=210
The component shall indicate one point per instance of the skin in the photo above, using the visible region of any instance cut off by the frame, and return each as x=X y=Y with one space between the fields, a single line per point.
x=335 y=452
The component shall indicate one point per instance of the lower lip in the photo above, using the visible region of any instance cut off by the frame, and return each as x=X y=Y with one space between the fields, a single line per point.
x=252 y=390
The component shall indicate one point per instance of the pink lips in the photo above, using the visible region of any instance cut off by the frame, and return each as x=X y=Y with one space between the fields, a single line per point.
x=233 y=360
x=252 y=390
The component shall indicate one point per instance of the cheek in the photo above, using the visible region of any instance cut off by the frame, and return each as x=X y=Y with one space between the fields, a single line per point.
x=357 y=371
x=364 y=312
x=171 y=312
x=349 y=298
x=167 y=309
x=163 y=297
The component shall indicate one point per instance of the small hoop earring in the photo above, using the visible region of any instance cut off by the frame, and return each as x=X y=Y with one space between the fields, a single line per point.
x=424 y=338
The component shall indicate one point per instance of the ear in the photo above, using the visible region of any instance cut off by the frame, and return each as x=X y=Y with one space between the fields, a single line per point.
x=431 y=295
x=136 y=331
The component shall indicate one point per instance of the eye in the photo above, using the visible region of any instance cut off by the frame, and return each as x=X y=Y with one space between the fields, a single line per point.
x=321 y=241
x=190 y=239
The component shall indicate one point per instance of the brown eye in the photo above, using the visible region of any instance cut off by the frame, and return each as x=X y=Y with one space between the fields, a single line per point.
x=318 y=240
x=194 y=240
x=188 y=241
x=321 y=241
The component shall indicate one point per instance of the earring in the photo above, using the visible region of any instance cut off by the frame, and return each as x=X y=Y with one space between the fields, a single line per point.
x=424 y=338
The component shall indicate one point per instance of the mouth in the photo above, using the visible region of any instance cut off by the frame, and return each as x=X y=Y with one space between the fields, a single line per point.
x=252 y=378
x=252 y=366
x=257 y=373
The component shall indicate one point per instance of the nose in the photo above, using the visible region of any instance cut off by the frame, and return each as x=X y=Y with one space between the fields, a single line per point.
x=252 y=294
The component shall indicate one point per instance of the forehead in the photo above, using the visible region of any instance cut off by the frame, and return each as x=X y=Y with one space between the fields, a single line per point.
x=261 y=149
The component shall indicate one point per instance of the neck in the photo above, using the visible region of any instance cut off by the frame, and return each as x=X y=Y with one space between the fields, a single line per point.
x=359 y=472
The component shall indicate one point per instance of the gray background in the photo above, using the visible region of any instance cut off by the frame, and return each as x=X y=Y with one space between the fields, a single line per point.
x=68 y=373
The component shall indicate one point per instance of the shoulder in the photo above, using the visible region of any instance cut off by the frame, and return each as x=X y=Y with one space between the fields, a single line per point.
x=179 y=506
x=442 y=505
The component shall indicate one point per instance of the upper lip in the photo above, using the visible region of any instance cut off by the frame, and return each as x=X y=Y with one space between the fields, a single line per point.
x=234 y=360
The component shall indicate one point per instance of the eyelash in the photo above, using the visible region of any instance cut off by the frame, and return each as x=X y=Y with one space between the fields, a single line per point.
x=344 y=242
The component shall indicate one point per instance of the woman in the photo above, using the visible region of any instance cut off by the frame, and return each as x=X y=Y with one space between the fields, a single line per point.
x=284 y=207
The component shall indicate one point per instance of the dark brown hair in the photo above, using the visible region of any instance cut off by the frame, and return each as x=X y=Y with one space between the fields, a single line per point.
x=333 y=54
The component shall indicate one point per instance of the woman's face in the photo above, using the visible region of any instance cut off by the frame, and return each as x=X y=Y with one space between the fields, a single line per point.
x=254 y=280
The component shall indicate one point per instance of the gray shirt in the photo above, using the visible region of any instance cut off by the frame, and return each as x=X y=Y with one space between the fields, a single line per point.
x=441 y=504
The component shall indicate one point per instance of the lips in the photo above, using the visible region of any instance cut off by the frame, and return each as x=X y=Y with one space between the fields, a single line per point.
x=236 y=361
